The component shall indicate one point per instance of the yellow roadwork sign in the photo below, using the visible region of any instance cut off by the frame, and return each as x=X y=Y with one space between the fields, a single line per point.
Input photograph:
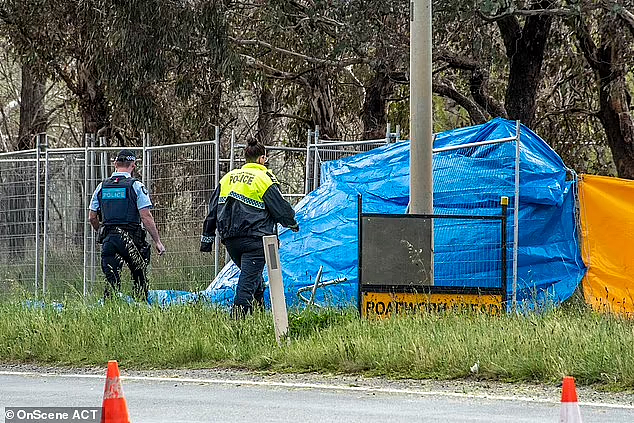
x=380 y=304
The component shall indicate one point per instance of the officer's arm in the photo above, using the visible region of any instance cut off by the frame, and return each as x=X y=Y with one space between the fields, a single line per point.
x=150 y=226
x=209 y=227
x=93 y=217
x=280 y=209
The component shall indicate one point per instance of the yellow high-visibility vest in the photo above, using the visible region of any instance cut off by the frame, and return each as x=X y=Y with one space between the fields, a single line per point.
x=247 y=184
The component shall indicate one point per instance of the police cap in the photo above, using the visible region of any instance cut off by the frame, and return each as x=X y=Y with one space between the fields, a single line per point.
x=126 y=156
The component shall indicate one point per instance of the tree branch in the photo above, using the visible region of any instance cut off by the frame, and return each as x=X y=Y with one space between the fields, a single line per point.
x=445 y=90
x=455 y=61
x=566 y=112
x=477 y=82
x=529 y=12
x=309 y=59
x=285 y=115
x=270 y=71
x=587 y=45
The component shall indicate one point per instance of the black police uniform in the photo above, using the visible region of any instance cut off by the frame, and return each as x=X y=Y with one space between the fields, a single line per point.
x=247 y=205
x=123 y=237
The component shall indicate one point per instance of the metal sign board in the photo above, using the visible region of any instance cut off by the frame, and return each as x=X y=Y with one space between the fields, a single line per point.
x=396 y=250
x=396 y=267
x=383 y=304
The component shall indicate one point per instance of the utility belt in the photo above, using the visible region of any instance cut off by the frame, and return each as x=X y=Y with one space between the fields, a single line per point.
x=136 y=232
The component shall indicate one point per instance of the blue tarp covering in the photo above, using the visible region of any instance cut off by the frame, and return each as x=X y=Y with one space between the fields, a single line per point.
x=466 y=181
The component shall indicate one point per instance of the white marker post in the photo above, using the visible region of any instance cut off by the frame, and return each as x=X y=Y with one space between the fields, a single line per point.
x=276 y=286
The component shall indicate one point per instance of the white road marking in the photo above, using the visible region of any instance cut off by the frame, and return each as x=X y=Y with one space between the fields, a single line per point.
x=323 y=387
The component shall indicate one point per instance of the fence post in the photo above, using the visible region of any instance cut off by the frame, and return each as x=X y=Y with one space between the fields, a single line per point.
x=37 y=214
x=316 y=160
x=147 y=162
x=398 y=133
x=45 y=223
x=232 y=153
x=216 y=182
x=388 y=135
x=504 y=202
x=307 y=171
x=93 y=178
x=516 y=212
x=103 y=166
x=86 y=204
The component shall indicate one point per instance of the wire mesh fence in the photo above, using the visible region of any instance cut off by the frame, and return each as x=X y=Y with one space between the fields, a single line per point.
x=64 y=208
x=319 y=151
x=469 y=250
x=47 y=245
x=18 y=250
x=181 y=179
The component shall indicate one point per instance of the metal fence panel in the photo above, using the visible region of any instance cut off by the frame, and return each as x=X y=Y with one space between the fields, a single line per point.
x=18 y=187
x=46 y=242
x=181 y=180
x=326 y=150
x=481 y=197
x=64 y=209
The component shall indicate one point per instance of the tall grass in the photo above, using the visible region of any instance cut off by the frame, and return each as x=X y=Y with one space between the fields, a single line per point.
x=534 y=347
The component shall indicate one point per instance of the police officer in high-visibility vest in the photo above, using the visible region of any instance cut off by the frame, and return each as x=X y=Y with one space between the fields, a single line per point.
x=245 y=206
x=123 y=204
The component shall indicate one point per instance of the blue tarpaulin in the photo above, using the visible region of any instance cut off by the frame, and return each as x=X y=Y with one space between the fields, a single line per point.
x=466 y=181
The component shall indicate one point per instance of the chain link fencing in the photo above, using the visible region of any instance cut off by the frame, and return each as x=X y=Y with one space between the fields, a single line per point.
x=47 y=246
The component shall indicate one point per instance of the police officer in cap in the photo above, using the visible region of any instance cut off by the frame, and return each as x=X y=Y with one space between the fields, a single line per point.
x=247 y=205
x=123 y=204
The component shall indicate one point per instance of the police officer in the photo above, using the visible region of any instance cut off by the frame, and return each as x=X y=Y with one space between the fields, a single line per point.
x=245 y=206
x=123 y=203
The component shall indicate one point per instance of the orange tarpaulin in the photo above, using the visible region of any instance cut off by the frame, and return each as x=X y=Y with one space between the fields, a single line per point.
x=607 y=222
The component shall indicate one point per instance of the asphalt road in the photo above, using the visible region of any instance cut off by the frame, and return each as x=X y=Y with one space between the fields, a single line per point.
x=163 y=399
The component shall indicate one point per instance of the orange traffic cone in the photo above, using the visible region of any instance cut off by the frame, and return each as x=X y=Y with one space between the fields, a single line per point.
x=570 y=412
x=115 y=409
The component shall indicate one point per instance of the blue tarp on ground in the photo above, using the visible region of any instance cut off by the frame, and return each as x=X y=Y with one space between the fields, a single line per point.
x=466 y=181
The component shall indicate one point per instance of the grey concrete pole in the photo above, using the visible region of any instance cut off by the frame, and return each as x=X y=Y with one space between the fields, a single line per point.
x=421 y=186
x=421 y=129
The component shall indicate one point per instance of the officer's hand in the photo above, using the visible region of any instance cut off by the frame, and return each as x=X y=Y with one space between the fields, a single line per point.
x=294 y=228
x=206 y=247
x=160 y=248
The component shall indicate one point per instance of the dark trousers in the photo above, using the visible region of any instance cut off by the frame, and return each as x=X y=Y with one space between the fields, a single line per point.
x=248 y=254
x=120 y=247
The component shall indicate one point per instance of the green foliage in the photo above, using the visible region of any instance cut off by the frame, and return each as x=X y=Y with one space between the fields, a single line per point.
x=179 y=68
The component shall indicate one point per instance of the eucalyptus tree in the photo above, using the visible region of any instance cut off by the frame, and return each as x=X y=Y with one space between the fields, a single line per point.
x=25 y=96
x=489 y=57
x=63 y=36
x=295 y=43
x=605 y=33
x=130 y=64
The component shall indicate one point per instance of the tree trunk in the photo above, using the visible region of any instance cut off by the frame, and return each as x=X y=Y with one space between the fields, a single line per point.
x=614 y=99
x=19 y=186
x=266 y=106
x=209 y=109
x=93 y=105
x=616 y=117
x=322 y=111
x=32 y=114
x=374 y=113
x=525 y=49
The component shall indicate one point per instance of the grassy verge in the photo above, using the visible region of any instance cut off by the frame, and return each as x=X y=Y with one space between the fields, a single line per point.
x=596 y=349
